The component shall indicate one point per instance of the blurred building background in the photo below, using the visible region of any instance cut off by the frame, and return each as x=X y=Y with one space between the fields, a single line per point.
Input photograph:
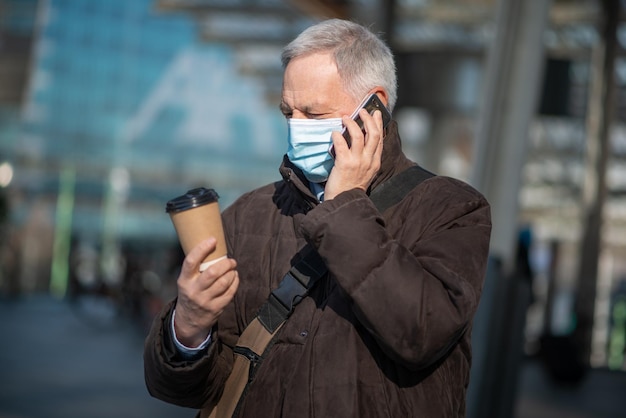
x=110 y=108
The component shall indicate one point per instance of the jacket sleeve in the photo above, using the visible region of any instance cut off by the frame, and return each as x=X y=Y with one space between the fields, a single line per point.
x=170 y=378
x=414 y=277
x=196 y=383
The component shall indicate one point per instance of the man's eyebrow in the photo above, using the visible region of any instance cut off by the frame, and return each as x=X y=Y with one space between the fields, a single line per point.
x=284 y=107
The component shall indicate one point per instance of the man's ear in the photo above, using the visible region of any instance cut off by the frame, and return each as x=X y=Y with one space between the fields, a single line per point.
x=382 y=95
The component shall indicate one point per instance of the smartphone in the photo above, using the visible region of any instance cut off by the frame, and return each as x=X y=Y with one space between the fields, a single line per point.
x=371 y=104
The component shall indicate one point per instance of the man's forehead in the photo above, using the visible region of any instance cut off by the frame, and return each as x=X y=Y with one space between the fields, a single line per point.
x=319 y=100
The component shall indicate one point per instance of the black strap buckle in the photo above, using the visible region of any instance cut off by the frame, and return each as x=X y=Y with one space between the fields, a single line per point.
x=292 y=289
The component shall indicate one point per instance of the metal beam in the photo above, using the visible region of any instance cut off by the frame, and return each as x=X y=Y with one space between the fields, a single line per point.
x=599 y=120
x=510 y=96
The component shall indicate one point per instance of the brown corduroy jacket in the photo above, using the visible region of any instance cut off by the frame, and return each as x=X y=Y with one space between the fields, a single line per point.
x=386 y=334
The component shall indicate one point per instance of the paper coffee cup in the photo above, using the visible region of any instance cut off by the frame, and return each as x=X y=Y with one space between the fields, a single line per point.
x=196 y=217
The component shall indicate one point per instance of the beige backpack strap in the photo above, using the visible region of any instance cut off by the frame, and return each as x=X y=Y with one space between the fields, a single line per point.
x=252 y=343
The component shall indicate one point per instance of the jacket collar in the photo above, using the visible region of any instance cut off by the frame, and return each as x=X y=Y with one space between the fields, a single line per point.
x=393 y=160
x=294 y=177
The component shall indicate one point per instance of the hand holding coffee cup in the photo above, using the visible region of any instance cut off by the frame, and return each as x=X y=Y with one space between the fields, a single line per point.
x=196 y=217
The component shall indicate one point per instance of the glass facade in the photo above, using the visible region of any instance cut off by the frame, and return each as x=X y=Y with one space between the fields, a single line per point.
x=125 y=107
x=139 y=109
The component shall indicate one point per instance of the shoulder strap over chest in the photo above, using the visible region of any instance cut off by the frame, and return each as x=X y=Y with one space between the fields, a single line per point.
x=294 y=287
x=393 y=190
x=304 y=274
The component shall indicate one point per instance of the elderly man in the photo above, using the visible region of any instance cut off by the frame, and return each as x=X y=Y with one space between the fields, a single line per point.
x=385 y=331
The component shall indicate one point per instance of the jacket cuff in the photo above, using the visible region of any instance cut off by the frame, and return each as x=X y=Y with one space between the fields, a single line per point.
x=174 y=356
x=188 y=353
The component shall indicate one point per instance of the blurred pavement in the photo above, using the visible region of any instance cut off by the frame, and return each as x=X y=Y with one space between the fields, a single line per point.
x=600 y=395
x=57 y=362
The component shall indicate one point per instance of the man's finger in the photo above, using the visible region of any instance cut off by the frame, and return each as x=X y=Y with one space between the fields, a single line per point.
x=191 y=264
x=373 y=129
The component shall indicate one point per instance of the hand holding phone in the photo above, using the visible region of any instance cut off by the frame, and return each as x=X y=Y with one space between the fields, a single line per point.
x=371 y=104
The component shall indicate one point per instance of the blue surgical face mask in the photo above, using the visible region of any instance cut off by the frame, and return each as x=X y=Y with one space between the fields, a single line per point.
x=309 y=141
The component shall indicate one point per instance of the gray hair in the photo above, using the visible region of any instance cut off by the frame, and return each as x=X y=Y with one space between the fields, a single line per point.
x=363 y=60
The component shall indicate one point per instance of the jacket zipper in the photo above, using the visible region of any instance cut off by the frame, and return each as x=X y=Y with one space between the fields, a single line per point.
x=255 y=360
x=253 y=357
